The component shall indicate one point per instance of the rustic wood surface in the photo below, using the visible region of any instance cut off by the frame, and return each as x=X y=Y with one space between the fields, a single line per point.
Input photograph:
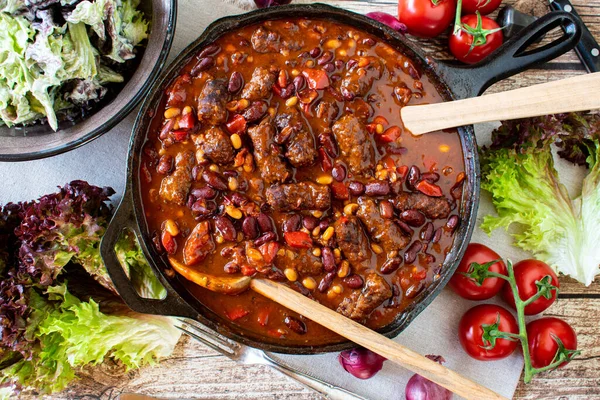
x=197 y=372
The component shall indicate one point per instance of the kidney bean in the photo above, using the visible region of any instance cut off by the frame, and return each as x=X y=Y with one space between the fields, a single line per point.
x=310 y=222
x=452 y=222
x=410 y=255
x=209 y=50
x=201 y=209
x=256 y=111
x=276 y=275
x=226 y=228
x=351 y=63
x=338 y=172
x=426 y=232
x=292 y=223
x=412 y=217
x=457 y=189
x=165 y=164
x=324 y=224
x=379 y=188
x=266 y=237
x=339 y=64
x=231 y=268
x=386 y=209
x=202 y=65
x=164 y=132
x=265 y=223
x=427 y=258
x=316 y=52
x=326 y=282
x=214 y=180
x=413 y=176
x=236 y=81
x=414 y=289
x=304 y=54
x=287 y=91
x=250 y=227
x=325 y=58
x=368 y=42
x=431 y=177
x=328 y=259
x=437 y=235
x=326 y=141
x=356 y=188
x=205 y=192
x=326 y=164
x=282 y=78
x=405 y=228
x=353 y=281
x=237 y=199
x=299 y=82
x=390 y=265
x=230 y=173
x=295 y=324
x=329 y=67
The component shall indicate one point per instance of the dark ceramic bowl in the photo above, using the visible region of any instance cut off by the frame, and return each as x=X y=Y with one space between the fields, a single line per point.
x=39 y=140
x=452 y=83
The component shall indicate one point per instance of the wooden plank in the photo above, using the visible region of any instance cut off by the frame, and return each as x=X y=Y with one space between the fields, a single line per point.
x=570 y=288
x=578 y=379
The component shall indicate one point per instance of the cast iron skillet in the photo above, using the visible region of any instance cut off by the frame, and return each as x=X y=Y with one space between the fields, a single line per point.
x=452 y=82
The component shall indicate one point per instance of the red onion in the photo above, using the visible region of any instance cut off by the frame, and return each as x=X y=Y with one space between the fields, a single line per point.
x=419 y=388
x=270 y=3
x=389 y=20
x=361 y=363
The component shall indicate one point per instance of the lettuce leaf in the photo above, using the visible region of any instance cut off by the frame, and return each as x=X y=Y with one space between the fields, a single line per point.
x=518 y=171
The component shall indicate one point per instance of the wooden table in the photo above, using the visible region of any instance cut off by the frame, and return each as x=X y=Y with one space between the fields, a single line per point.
x=196 y=371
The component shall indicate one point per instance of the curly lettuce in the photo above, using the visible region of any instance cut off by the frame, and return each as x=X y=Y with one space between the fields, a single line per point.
x=518 y=171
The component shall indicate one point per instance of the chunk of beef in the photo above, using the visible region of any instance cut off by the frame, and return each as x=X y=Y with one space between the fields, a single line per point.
x=302 y=260
x=360 y=77
x=301 y=151
x=432 y=207
x=199 y=244
x=212 y=101
x=259 y=86
x=216 y=145
x=352 y=240
x=267 y=154
x=265 y=40
x=360 y=303
x=385 y=231
x=299 y=196
x=175 y=187
x=355 y=145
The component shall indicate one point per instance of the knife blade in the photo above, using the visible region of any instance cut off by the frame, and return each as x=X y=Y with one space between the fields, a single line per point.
x=588 y=49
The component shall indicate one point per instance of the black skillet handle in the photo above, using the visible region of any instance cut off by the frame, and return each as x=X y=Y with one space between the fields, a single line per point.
x=172 y=304
x=513 y=57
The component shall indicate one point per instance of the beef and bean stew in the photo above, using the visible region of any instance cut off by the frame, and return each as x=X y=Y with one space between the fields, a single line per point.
x=279 y=152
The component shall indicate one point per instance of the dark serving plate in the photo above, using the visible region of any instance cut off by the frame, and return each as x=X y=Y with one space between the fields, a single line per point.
x=39 y=140
x=452 y=83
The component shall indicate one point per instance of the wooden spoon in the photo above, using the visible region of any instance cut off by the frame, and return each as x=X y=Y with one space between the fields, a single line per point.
x=372 y=340
x=579 y=93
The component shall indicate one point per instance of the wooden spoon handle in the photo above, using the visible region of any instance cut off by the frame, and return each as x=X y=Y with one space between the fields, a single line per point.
x=372 y=340
x=573 y=94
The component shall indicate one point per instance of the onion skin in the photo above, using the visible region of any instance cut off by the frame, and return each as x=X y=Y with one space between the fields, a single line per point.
x=361 y=363
x=388 y=20
x=420 y=388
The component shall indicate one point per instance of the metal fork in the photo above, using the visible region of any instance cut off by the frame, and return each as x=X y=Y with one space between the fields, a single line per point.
x=249 y=355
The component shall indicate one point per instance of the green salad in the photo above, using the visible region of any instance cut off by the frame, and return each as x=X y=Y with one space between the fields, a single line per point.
x=58 y=58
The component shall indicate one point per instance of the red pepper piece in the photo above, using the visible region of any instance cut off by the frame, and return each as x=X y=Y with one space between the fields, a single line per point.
x=429 y=189
x=263 y=317
x=298 y=239
x=247 y=270
x=402 y=171
x=236 y=124
x=236 y=313
x=316 y=78
x=390 y=135
x=180 y=135
x=269 y=251
x=168 y=242
x=326 y=164
x=187 y=121
x=340 y=191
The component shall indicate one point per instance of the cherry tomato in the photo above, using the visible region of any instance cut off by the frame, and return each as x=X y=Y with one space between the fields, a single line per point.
x=527 y=273
x=426 y=18
x=483 y=6
x=478 y=37
x=472 y=328
x=541 y=335
x=466 y=287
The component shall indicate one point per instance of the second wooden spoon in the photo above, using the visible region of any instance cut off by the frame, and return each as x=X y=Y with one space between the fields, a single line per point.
x=579 y=93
